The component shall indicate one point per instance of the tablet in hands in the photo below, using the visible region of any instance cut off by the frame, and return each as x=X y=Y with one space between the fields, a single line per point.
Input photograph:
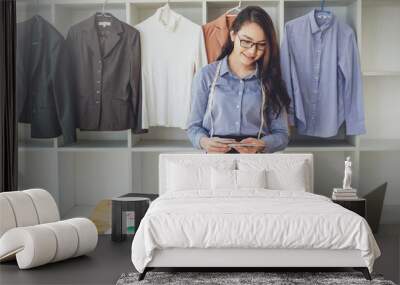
x=242 y=144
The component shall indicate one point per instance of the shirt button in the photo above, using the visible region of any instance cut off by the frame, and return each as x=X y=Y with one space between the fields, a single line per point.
x=97 y=102
x=237 y=123
x=237 y=106
x=98 y=81
x=97 y=92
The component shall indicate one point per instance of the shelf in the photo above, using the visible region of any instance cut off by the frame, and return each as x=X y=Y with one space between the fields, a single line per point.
x=163 y=145
x=90 y=145
x=78 y=211
x=379 y=145
x=35 y=145
x=311 y=146
x=381 y=73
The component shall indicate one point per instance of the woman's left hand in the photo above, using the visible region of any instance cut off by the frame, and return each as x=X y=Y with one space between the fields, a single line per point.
x=259 y=146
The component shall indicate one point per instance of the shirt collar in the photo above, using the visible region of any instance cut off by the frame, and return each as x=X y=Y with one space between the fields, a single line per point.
x=225 y=69
x=314 y=25
x=167 y=18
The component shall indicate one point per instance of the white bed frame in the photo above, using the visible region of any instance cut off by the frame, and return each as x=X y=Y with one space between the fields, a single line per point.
x=251 y=258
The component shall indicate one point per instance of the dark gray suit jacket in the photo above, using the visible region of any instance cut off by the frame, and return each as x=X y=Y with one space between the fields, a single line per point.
x=106 y=76
x=39 y=99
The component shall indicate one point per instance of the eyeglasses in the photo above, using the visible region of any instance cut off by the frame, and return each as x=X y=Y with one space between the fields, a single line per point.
x=249 y=44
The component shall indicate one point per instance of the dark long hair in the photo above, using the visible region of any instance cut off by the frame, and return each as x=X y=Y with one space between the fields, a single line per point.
x=269 y=65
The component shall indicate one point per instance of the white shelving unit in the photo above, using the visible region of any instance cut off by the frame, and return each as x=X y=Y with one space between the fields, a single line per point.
x=102 y=165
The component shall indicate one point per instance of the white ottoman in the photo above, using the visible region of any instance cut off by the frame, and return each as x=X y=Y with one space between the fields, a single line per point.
x=31 y=232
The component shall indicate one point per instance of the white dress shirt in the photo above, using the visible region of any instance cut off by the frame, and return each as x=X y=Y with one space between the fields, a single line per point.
x=172 y=50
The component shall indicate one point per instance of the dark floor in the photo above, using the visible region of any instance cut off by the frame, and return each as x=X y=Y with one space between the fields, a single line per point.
x=103 y=266
x=111 y=259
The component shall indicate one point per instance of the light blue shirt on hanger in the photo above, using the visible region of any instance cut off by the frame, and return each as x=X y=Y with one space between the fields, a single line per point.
x=236 y=108
x=321 y=67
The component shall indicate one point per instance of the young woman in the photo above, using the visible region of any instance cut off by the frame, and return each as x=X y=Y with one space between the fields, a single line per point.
x=239 y=102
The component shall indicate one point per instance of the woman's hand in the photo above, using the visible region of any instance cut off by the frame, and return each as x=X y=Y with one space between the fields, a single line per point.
x=214 y=144
x=259 y=146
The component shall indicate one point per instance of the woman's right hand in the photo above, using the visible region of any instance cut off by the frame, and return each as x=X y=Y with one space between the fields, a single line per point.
x=214 y=144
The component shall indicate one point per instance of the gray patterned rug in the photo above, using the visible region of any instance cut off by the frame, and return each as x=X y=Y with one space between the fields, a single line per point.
x=243 y=278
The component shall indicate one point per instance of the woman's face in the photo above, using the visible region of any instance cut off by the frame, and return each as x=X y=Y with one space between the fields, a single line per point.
x=249 y=43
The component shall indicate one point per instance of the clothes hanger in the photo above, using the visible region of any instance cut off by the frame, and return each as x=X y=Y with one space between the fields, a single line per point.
x=235 y=9
x=103 y=12
x=321 y=13
x=104 y=15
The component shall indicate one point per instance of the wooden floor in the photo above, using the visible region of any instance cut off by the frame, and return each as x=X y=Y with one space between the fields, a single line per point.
x=110 y=260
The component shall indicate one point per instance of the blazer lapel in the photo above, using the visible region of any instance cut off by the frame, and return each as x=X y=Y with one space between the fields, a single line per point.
x=92 y=37
x=114 y=37
x=111 y=40
x=221 y=29
x=36 y=45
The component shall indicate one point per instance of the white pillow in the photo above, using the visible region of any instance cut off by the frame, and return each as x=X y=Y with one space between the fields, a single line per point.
x=189 y=175
x=236 y=179
x=251 y=178
x=293 y=180
x=223 y=179
x=282 y=174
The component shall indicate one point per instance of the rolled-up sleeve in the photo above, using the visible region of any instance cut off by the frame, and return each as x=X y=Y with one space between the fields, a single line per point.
x=278 y=138
x=198 y=108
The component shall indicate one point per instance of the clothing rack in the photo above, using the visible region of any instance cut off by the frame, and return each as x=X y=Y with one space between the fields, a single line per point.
x=102 y=165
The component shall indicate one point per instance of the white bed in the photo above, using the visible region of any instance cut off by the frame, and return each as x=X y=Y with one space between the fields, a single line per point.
x=202 y=220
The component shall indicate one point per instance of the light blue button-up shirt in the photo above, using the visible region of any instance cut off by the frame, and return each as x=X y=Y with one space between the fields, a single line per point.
x=321 y=68
x=236 y=108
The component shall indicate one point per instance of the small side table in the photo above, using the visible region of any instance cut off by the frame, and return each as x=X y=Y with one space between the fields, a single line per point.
x=127 y=213
x=358 y=206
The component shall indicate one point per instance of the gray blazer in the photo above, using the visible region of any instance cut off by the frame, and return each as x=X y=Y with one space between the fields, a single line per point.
x=105 y=76
x=40 y=101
